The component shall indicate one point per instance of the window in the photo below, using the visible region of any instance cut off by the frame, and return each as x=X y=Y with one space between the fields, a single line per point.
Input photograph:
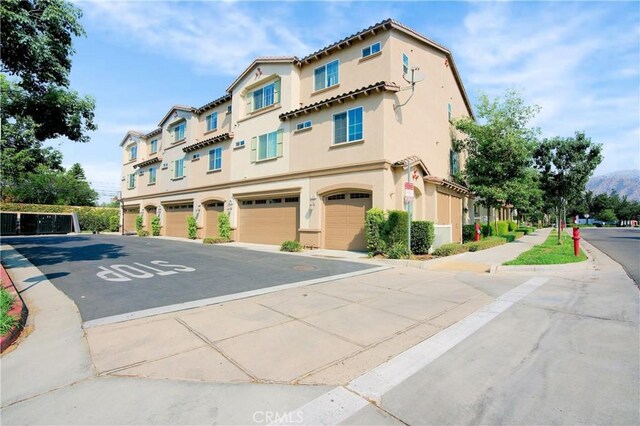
x=228 y=109
x=152 y=175
x=347 y=126
x=292 y=199
x=370 y=50
x=359 y=195
x=153 y=146
x=449 y=111
x=247 y=202
x=405 y=64
x=336 y=197
x=266 y=146
x=264 y=96
x=275 y=201
x=195 y=157
x=239 y=144
x=326 y=75
x=212 y=121
x=132 y=181
x=178 y=169
x=454 y=162
x=302 y=126
x=261 y=201
x=133 y=152
x=215 y=159
x=179 y=132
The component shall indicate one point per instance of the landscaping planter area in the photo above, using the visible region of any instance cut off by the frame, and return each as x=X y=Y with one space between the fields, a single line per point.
x=13 y=313
x=550 y=253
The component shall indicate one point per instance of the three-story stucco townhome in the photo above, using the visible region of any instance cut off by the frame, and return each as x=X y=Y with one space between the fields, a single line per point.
x=299 y=149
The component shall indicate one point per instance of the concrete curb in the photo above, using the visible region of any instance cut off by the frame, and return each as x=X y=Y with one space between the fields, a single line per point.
x=19 y=311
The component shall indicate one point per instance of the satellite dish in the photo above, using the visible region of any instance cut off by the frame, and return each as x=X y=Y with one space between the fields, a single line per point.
x=414 y=76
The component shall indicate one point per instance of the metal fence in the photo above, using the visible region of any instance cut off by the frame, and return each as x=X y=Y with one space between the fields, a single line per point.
x=35 y=223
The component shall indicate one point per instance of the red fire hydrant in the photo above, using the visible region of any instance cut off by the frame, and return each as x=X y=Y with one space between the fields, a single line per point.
x=477 y=232
x=576 y=241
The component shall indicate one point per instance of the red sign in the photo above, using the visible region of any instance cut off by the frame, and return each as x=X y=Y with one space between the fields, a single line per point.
x=408 y=185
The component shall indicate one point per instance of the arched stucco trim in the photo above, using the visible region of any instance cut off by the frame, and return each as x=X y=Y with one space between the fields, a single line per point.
x=341 y=187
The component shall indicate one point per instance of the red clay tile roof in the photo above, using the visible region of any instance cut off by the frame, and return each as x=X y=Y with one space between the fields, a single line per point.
x=206 y=142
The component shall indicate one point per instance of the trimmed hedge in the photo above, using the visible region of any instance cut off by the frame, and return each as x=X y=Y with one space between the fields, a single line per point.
x=422 y=236
x=468 y=233
x=373 y=225
x=512 y=225
x=450 y=249
x=489 y=229
x=486 y=243
x=214 y=240
x=396 y=228
x=503 y=227
x=95 y=219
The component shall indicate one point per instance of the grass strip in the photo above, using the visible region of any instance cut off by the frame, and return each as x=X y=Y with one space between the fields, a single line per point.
x=549 y=253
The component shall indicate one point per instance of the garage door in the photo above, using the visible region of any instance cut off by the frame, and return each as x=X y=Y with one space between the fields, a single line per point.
x=176 y=219
x=344 y=221
x=212 y=210
x=269 y=220
x=130 y=215
x=456 y=219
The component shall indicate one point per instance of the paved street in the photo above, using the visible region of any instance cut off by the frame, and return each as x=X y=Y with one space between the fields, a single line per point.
x=107 y=275
x=621 y=244
x=428 y=346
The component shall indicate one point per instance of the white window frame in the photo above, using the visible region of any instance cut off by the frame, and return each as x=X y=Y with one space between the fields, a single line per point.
x=133 y=152
x=182 y=125
x=212 y=119
x=131 y=182
x=151 y=148
x=175 y=168
x=304 y=125
x=370 y=49
x=326 y=76
x=405 y=67
x=239 y=144
x=216 y=153
x=266 y=148
x=153 y=175
x=263 y=98
x=347 y=127
x=449 y=111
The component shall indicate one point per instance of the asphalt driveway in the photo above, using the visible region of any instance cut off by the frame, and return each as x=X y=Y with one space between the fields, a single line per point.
x=107 y=275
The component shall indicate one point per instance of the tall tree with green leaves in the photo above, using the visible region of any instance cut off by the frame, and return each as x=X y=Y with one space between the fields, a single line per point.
x=566 y=164
x=499 y=148
x=37 y=103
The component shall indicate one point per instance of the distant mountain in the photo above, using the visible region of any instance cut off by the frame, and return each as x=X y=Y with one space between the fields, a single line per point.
x=625 y=182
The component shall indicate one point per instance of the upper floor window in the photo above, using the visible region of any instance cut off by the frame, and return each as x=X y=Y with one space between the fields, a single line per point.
x=303 y=125
x=152 y=175
x=348 y=126
x=370 y=50
x=215 y=159
x=454 y=164
x=212 y=121
x=132 y=181
x=133 y=152
x=153 y=146
x=266 y=146
x=405 y=64
x=179 y=132
x=178 y=168
x=264 y=96
x=449 y=110
x=326 y=75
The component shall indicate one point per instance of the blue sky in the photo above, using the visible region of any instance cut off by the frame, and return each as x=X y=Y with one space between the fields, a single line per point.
x=580 y=62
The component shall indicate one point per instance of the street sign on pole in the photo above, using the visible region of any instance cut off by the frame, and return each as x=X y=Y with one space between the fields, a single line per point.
x=408 y=192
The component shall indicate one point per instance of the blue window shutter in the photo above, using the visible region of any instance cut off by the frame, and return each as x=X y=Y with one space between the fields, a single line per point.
x=254 y=148
x=279 y=142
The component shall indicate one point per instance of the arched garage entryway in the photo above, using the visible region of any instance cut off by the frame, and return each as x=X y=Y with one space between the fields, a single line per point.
x=212 y=210
x=344 y=214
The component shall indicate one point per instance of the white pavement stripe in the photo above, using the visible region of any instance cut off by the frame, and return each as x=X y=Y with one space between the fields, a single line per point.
x=221 y=299
x=374 y=384
x=331 y=408
x=339 y=404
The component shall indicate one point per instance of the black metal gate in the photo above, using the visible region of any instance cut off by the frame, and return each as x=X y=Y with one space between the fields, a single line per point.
x=36 y=223
x=8 y=223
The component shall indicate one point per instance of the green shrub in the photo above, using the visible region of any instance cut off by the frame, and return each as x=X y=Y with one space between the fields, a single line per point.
x=96 y=219
x=142 y=233
x=224 y=226
x=422 y=236
x=396 y=228
x=489 y=229
x=468 y=233
x=291 y=246
x=509 y=237
x=450 y=249
x=114 y=223
x=503 y=227
x=373 y=226
x=398 y=251
x=155 y=226
x=486 y=243
x=214 y=240
x=6 y=303
x=525 y=231
x=139 y=223
x=192 y=227
x=512 y=225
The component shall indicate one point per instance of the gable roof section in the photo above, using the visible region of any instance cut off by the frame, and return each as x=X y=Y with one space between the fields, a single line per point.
x=209 y=141
x=176 y=108
x=375 y=87
x=131 y=133
x=264 y=60
x=413 y=160
x=213 y=103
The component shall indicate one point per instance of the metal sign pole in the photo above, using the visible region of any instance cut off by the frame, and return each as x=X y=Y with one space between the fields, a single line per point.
x=409 y=211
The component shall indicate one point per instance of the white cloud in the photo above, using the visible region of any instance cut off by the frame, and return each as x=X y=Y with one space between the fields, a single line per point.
x=578 y=62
